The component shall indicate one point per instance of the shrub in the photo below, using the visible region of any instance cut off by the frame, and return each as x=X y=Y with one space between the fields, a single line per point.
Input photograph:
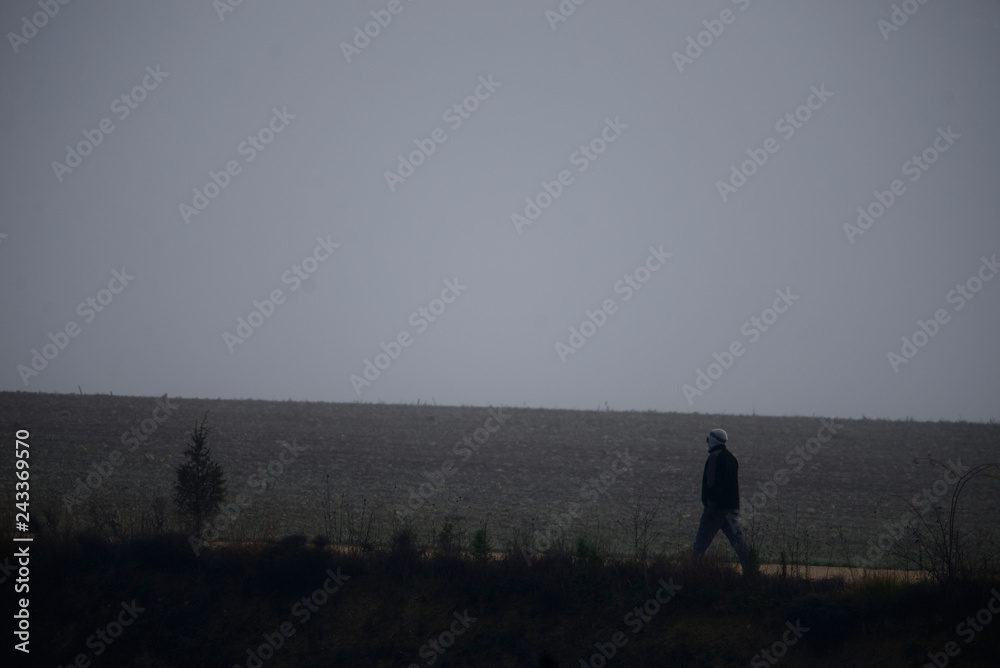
x=404 y=556
x=932 y=539
x=200 y=488
x=753 y=562
x=482 y=544
x=587 y=551
x=169 y=552
x=292 y=566
x=828 y=620
x=446 y=542
x=292 y=542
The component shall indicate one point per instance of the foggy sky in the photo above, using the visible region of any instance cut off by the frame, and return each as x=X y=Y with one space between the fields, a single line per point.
x=640 y=123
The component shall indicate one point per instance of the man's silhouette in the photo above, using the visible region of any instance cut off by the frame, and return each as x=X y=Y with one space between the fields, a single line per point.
x=720 y=496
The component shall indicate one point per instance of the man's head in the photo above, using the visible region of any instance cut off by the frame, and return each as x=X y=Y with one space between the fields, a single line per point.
x=716 y=438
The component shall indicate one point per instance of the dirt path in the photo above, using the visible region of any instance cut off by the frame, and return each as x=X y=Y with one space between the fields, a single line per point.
x=845 y=572
x=810 y=572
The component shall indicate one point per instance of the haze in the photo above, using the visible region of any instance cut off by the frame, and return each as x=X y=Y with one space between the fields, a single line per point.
x=595 y=211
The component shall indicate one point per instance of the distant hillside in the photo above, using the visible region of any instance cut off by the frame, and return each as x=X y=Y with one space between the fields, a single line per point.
x=527 y=465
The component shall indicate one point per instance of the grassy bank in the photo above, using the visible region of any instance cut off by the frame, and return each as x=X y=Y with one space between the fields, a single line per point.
x=398 y=605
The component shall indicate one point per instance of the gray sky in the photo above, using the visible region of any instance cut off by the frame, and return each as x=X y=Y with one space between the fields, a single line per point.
x=643 y=126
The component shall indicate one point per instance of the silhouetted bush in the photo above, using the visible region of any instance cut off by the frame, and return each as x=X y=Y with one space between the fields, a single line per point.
x=828 y=620
x=918 y=597
x=168 y=552
x=587 y=551
x=292 y=542
x=90 y=549
x=447 y=541
x=403 y=557
x=200 y=487
x=208 y=610
x=448 y=566
x=482 y=544
x=293 y=566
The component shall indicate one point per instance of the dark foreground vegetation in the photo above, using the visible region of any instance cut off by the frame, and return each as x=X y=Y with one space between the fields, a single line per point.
x=296 y=602
x=173 y=532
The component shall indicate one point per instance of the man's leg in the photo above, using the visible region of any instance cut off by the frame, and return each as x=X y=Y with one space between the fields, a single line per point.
x=707 y=528
x=732 y=531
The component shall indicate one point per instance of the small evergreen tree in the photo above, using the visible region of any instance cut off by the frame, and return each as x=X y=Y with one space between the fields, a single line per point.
x=200 y=488
x=587 y=551
x=446 y=541
x=482 y=544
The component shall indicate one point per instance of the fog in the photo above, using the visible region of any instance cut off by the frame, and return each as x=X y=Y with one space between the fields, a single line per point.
x=787 y=208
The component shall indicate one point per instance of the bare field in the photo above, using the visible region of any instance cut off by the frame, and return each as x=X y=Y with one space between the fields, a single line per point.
x=534 y=463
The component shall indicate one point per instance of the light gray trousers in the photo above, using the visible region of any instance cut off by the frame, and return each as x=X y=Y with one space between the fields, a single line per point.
x=712 y=520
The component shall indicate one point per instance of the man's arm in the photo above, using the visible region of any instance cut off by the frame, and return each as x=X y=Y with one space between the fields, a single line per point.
x=730 y=487
x=705 y=481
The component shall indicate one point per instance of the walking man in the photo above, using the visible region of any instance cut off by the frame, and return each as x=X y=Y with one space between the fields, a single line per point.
x=720 y=495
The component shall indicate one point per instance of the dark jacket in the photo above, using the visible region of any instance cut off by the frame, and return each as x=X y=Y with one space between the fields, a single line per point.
x=720 y=487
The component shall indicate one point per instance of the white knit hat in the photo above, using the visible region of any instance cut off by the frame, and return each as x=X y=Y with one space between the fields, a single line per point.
x=717 y=437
